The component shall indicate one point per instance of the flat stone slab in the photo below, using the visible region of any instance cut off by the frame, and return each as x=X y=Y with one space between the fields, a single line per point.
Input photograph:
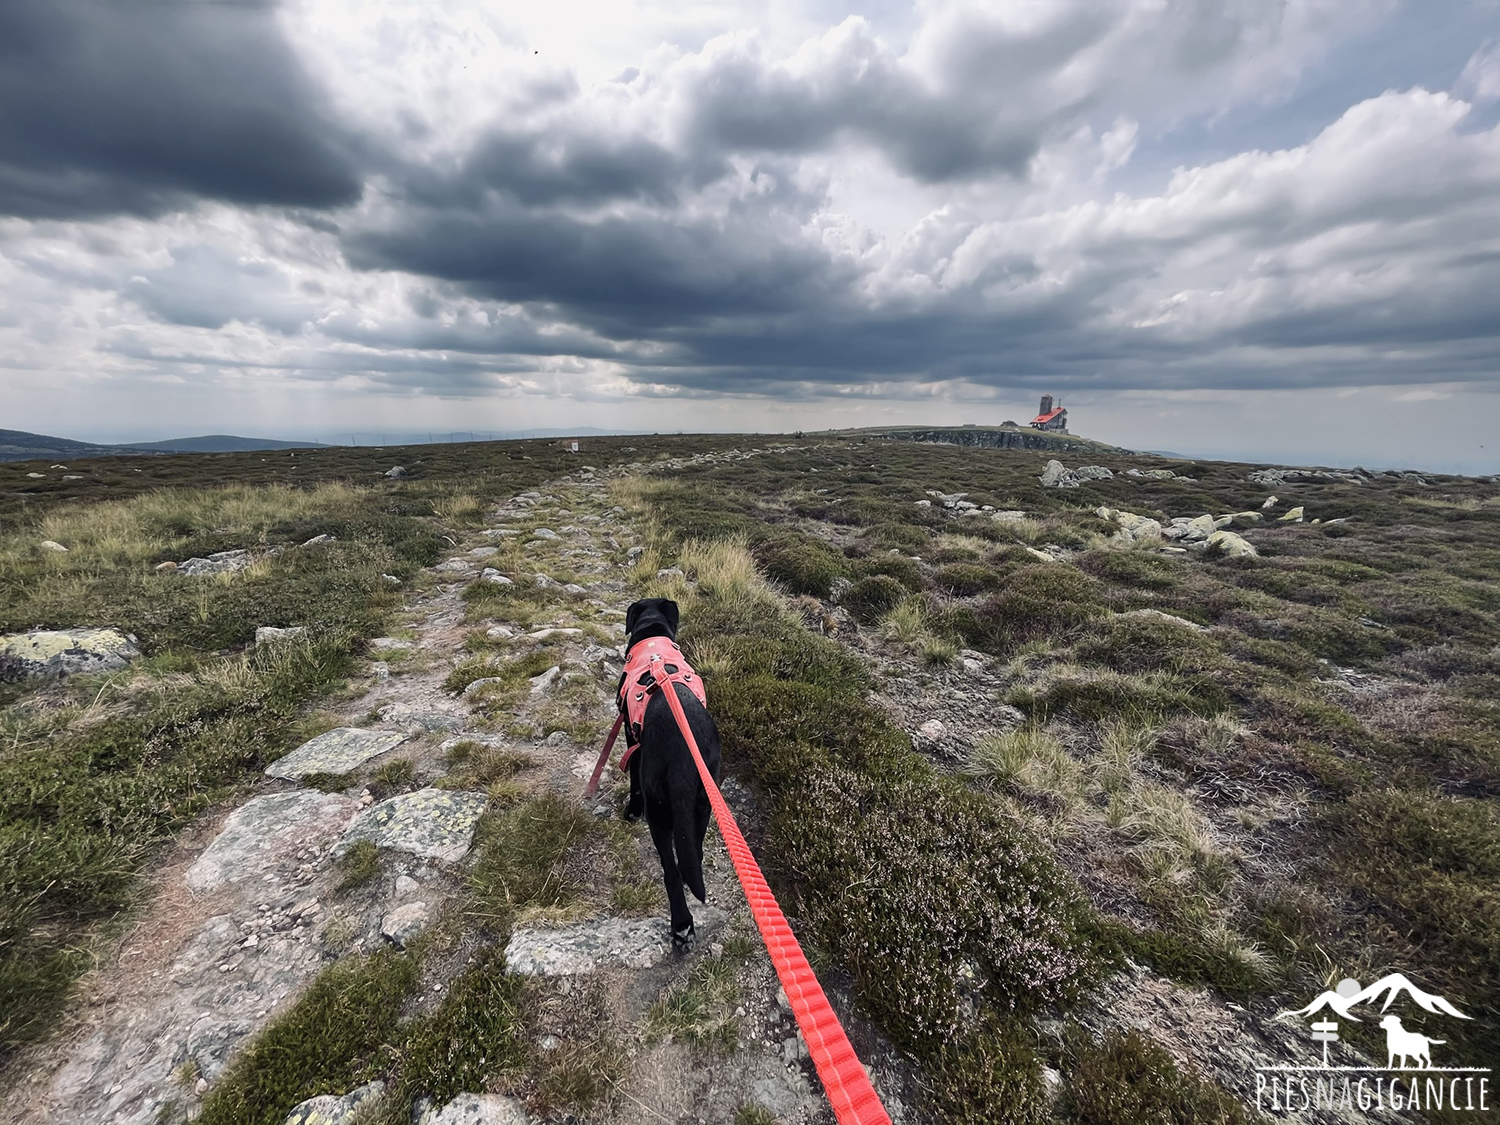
x=432 y=823
x=266 y=829
x=606 y=943
x=336 y=751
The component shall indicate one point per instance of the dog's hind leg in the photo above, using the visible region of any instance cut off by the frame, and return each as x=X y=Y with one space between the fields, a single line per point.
x=635 y=807
x=660 y=819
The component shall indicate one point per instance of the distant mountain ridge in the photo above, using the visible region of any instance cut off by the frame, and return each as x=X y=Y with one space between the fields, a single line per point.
x=18 y=445
x=1390 y=987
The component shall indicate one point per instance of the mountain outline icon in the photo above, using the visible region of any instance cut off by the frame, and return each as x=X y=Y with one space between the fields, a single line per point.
x=1390 y=986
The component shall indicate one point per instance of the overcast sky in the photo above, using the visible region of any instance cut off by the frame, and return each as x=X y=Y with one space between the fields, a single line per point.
x=1258 y=228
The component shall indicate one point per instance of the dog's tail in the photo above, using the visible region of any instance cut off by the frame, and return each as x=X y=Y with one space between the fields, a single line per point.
x=685 y=843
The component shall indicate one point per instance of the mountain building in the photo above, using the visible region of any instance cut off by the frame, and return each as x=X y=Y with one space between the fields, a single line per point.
x=1050 y=417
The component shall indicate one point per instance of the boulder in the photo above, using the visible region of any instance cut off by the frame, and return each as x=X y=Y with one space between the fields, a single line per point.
x=454 y=566
x=1293 y=515
x=1132 y=526
x=1233 y=545
x=432 y=823
x=52 y=545
x=50 y=654
x=1094 y=472
x=1199 y=528
x=484 y=552
x=544 y=533
x=265 y=831
x=1055 y=475
x=670 y=572
x=1269 y=504
x=605 y=943
x=336 y=751
x=397 y=472
x=401 y=925
x=316 y=540
x=266 y=634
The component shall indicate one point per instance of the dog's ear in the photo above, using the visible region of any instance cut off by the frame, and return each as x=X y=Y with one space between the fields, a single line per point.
x=669 y=611
x=633 y=614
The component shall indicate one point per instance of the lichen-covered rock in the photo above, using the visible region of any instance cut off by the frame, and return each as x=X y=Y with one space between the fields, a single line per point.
x=432 y=823
x=1132 y=526
x=336 y=751
x=1293 y=515
x=477 y=1109
x=264 y=830
x=1235 y=546
x=57 y=653
x=329 y=1109
x=605 y=943
x=1094 y=472
x=1056 y=475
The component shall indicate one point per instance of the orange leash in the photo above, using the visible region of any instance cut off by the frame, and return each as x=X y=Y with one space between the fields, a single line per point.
x=609 y=744
x=853 y=1099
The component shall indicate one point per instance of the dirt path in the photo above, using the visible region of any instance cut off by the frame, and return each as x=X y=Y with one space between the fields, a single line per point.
x=249 y=905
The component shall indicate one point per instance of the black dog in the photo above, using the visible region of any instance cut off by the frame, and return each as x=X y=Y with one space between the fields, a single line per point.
x=664 y=782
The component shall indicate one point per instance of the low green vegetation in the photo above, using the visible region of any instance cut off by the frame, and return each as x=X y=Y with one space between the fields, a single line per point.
x=1126 y=1079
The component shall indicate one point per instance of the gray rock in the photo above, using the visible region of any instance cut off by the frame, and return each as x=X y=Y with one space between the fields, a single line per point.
x=474 y=687
x=52 y=545
x=838 y=588
x=316 y=539
x=220 y=562
x=544 y=533
x=633 y=555
x=58 y=653
x=1094 y=472
x=330 y=1109
x=406 y=886
x=541 y=683
x=1007 y=515
x=454 y=566
x=1199 y=528
x=499 y=632
x=1269 y=504
x=573 y=588
x=420 y=715
x=1158 y=615
x=1132 y=526
x=1056 y=475
x=670 y=572
x=629 y=943
x=432 y=823
x=389 y=644
x=499 y=532
x=401 y=925
x=1293 y=515
x=397 y=472
x=552 y=631
x=1233 y=545
x=266 y=634
x=336 y=751
x=484 y=552
x=390 y=580
x=265 y=831
x=494 y=577
x=477 y=1109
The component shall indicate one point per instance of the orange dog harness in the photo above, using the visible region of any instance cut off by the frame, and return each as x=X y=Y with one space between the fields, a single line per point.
x=651 y=663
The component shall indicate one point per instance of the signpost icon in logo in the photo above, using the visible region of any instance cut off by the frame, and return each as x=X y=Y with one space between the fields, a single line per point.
x=1327 y=1031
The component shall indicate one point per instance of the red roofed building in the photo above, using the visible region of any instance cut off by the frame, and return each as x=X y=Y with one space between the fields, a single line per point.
x=1049 y=418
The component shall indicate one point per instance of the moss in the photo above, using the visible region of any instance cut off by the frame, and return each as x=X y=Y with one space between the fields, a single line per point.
x=359 y=864
x=328 y=1042
x=521 y=852
x=871 y=598
x=1127 y=1079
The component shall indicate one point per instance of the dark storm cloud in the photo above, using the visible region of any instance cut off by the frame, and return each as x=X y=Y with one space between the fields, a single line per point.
x=111 y=106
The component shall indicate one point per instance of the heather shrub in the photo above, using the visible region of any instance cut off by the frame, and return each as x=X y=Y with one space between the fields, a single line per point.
x=1129 y=1079
x=934 y=899
x=904 y=570
x=964 y=579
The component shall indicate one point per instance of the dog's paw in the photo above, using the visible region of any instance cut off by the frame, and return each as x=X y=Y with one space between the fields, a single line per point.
x=684 y=940
x=635 y=808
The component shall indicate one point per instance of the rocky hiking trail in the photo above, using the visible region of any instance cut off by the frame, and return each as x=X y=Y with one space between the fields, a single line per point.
x=251 y=903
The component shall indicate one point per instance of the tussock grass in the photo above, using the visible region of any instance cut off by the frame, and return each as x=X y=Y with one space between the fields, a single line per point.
x=699 y=1009
x=521 y=858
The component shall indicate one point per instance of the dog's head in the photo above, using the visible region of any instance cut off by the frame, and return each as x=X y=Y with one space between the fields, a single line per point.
x=652 y=617
x=1392 y=1023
